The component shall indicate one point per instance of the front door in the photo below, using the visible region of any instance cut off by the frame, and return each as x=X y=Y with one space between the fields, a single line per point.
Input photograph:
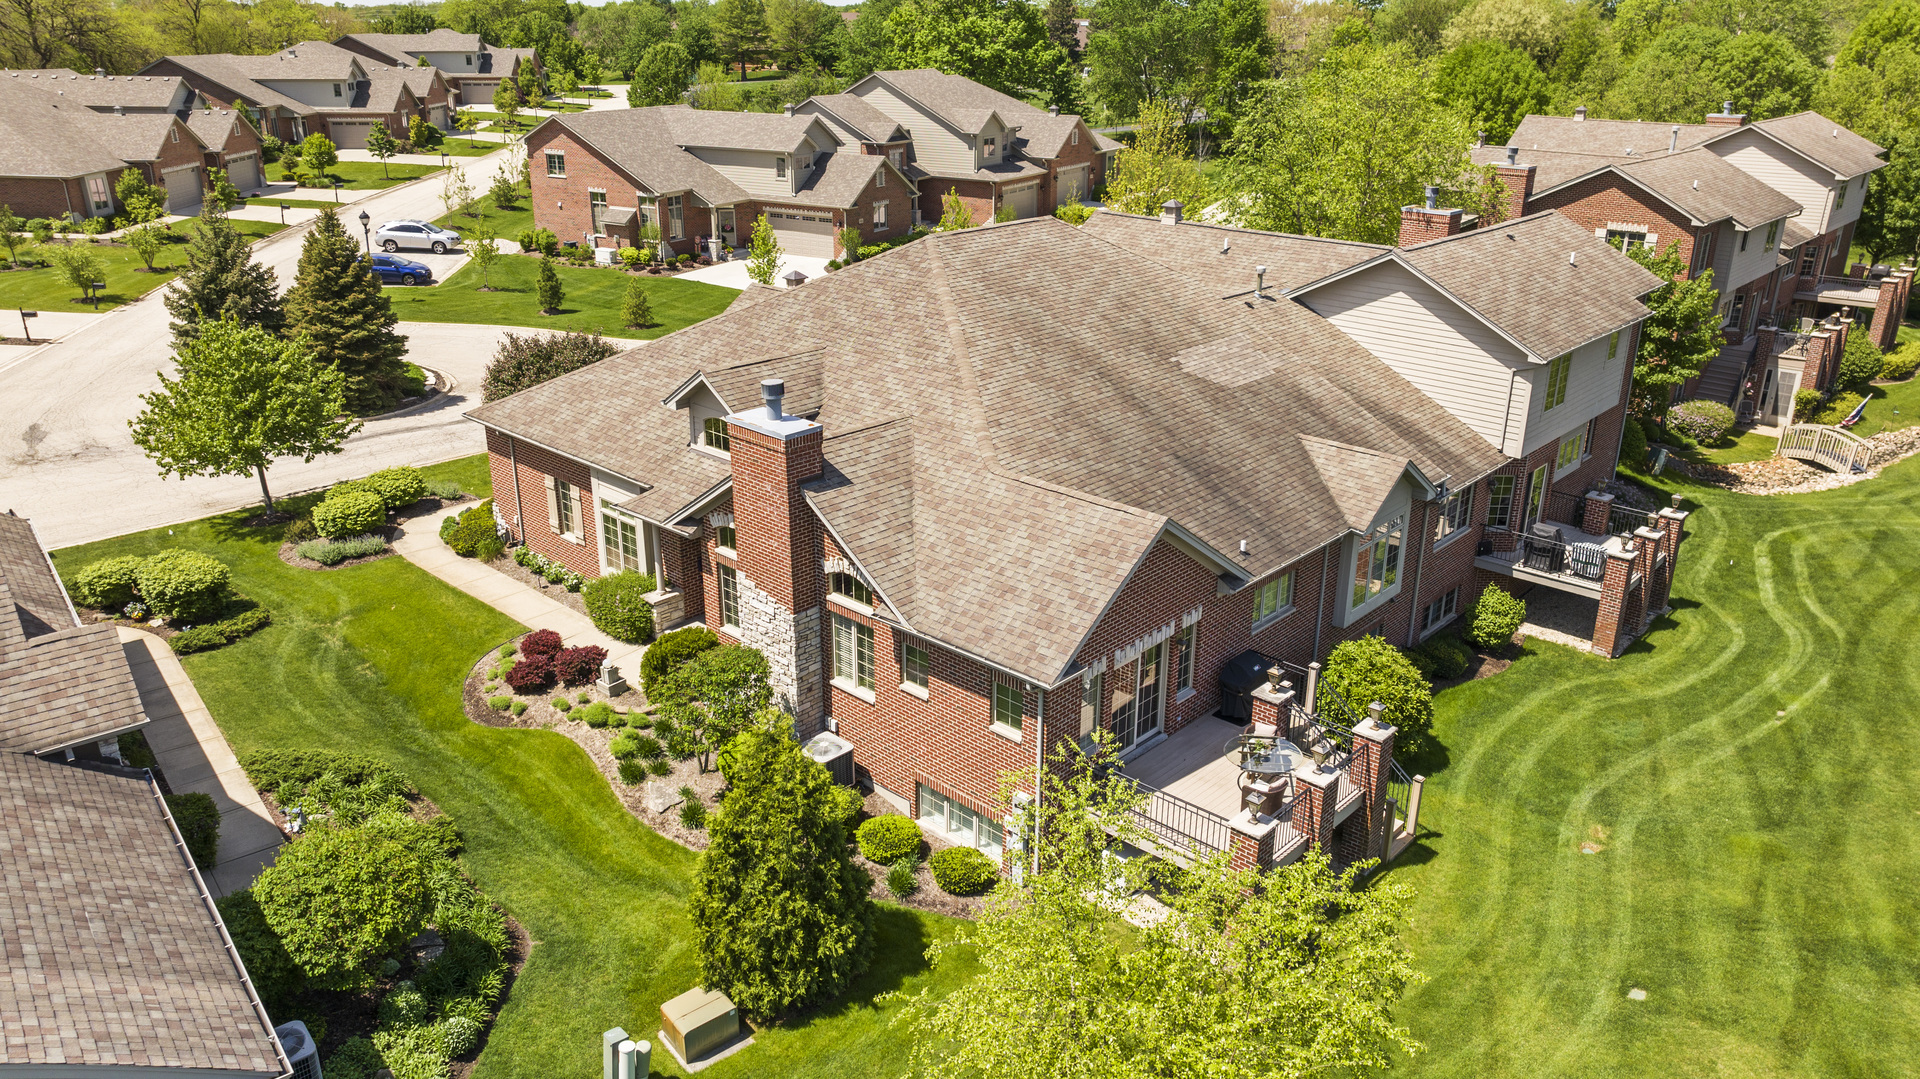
x=1536 y=495
x=727 y=234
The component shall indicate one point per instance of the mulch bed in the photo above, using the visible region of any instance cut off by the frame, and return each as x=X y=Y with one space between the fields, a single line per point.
x=540 y=714
x=571 y=600
x=90 y=615
x=289 y=553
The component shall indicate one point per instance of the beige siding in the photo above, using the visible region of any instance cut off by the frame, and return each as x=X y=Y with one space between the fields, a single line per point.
x=844 y=134
x=998 y=133
x=454 y=62
x=1733 y=268
x=751 y=169
x=1786 y=172
x=1593 y=386
x=313 y=91
x=936 y=147
x=1399 y=503
x=1442 y=349
x=1849 y=210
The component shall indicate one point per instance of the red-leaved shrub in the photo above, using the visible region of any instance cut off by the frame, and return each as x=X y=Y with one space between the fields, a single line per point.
x=534 y=674
x=541 y=642
x=578 y=666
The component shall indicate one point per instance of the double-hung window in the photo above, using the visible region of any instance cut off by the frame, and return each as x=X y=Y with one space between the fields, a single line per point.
x=714 y=433
x=1189 y=639
x=597 y=210
x=1557 y=382
x=556 y=164
x=676 y=219
x=621 y=543
x=1570 y=447
x=336 y=89
x=847 y=586
x=1439 y=611
x=852 y=652
x=779 y=168
x=1773 y=233
x=1613 y=345
x=1376 y=562
x=729 y=595
x=1455 y=512
x=564 y=495
x=879 y=217
x=97 y=190
x=1271 y=597
x=1008 y=705
x=1626 y=239
x=989 y=147
x=1090 y=702
x=1809 y=260
x=880 y=177
x=1500 y=502
x=916 y=667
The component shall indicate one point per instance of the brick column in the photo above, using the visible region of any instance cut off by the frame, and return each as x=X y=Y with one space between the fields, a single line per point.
x=1608 y=637
x=1372 y=754
x=1314 y=792
x=1518 y=180
x=1251 y=840
x=1673 y=524
x=1647 y=543
x=1272 y=708
x=1595 y=512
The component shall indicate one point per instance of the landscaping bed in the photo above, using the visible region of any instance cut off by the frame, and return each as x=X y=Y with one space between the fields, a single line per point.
x=290 y=553
x=558 y=593
x=1786 y=476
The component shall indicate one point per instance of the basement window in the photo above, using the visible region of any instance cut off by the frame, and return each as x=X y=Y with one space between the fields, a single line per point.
x=955 y=823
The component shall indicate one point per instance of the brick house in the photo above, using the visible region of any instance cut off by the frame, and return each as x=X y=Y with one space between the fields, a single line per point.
x=1769 y=206
x=703 y=178
x=312 y=88
x=231 y=144
x=988 y=534
x=61 y=158
x=472 y=68
x=997 y=152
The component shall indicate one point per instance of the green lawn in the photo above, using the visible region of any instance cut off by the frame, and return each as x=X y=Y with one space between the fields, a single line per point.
x=44 y=288
x=296 y=204
x=497 y=121
x=1892 y=407
x=592 y=299
x=1749 y=772
x=370 y=660
x=1747 y=447
x=366 y=175
x=507 y=224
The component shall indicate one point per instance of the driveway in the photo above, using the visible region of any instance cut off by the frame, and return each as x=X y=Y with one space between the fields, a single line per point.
x=733 y=274
x=66 y=459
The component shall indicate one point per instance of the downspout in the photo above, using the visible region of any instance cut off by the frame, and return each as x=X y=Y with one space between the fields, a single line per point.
x=1039 y=763
x=1413 y=611
x=513 y=461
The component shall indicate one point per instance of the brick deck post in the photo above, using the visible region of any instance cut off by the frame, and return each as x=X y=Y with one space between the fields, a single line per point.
x=1372 y=753
x=1252 y=841
x=1272 y=708
x=1647 y=543
x=1607 y=626
x=1595 y=513
x=1314 y=792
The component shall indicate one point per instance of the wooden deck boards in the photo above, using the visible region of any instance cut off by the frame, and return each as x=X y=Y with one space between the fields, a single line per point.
x=1192 y=764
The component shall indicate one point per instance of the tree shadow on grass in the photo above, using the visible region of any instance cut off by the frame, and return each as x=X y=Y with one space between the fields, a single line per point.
x=233 y=527
x=900 y=941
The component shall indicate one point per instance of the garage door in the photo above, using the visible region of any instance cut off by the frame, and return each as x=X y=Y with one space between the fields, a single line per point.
x=437 y=116
x=478 y=94
x=183 y=188
x=803 y=233
x=1022 y=200
x=350 y=136
x=243 y=172
x=1070 y=186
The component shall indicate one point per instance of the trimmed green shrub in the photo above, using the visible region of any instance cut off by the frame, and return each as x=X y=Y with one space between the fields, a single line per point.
x=341 y=899
x=1633 y=445
x=1838 y=409
x=888 y=839
x=963 y=871
x=299 y=530
x=402 y=485
x=357 y=1058
x=903 y=878
x=618 y=606
x=624 y=748
x=671 y=652
x=1806 y=404
x=499 y=704
x=182 y=586
x=1442 y=656
x=1702 y=421
x=561 y=704
x=596 y=715
x=272 y=769
x=1900 y=364
x=199 y=822
x=474 y=533
x=460 y=1034
x=1860 y=363
x=355 y=513
x=332 y=552
x=350 y=487
x=519 y=708
x=850 y=802
x=1369 y=670
x=107 y=585
x=275 y=975
x=226 y=631
x=1494 y=618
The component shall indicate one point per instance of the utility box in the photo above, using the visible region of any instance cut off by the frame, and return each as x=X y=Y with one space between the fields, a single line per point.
x=699 y=1021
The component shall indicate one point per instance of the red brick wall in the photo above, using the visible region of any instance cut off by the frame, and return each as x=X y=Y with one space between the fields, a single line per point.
x=561 y=204
x=1070 y=155
x=245 y=140
x=778 y=532
x=521 y=496
x=685 y=570
x=1594 y=202
x=46 y=197
x=980 y=198
x=177 y=148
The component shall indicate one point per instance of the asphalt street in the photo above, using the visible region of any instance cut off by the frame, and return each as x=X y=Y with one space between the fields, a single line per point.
x=67 y=461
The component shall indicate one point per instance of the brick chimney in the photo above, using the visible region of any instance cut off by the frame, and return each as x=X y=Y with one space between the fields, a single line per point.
x=1726 y=117
x=1518 y=180
x=779 y=569
x=1419 y=224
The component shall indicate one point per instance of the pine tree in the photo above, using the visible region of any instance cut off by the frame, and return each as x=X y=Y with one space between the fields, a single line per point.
x=338 y=305
x=548 y=289
x=222 y=281
x=635 y=307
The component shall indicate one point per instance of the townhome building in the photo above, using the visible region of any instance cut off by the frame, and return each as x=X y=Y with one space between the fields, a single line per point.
x=702 y=178
x=315 y=88
x=1087 y=474
x=1769 y=207
x=234 y=147
x=59 y=158
x=473 y=68
x=994 y=151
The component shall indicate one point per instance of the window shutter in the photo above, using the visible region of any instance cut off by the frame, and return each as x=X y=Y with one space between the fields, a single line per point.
x=579 y=504
x=553 y=506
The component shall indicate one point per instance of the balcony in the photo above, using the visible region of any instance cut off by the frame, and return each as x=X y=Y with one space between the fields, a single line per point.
x=1193 y=787
x=1570 y=558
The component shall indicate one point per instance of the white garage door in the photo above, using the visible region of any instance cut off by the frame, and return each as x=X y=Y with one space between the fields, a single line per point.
x=183 y=188
x=437 y=116
x=350 y=136
x=803 y=233
x=1070 y=185
x=478 y=94
x=243 y=171
x=1023 y=200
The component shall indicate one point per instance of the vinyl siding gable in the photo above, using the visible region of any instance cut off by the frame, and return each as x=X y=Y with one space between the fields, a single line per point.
x=937 y=148
x=751 y=169
x=1734 y=269
x=1432 y=342
x=1786 y=172
x=1593 y=387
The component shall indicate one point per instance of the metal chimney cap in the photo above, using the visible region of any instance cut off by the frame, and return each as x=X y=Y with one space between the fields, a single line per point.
x=1513 y=155
x=1433 y=197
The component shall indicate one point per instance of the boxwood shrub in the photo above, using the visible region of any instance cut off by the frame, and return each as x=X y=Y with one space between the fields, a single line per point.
x=182 y=586
x=962 y=870
x=400 y=486
x=618 y=606
x=1494 y=618
x=888 y=839
x=226 y=631
x=474 y=536
x=108 y=584
x=354 y=513
x=671 y=652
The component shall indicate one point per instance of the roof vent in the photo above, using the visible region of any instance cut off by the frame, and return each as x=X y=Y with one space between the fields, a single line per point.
x=1226 y=244
x=118 y=111
x=1696 y=185
x=1479 y=139
x=1053 y=110
x=1513 y=155
x=1170 y=211
x=787 y=108
x=773 y=392
x=1673 y=143
x=1259 y=280
x=1580 y=113
x=99 y=71
x=1726 y=108
x=1433 y=197
x=1573 y=258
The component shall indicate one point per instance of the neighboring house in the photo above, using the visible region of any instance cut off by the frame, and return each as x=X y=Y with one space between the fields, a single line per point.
x=473 y=68
x=309 y=88
x=1769 y=207
x=981 y=533
x=996 y=152
x=102 y=92
x=59 y=157
x=704 y=177
x=232 y=144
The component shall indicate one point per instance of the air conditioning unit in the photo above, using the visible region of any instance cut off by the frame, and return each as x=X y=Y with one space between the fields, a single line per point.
x=833 y=753
x=302 y=1051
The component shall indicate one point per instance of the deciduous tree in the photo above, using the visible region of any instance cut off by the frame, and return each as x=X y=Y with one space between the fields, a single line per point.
x=763 y=252
x=340 y=899
x=381 y=145
x=797 y=30
x=337 y=304
x=1158 y=166
x=998 y=43
x=662 y=76
x=319 y=154
x=715 y=695
x=1890 y=221
x=484 y=250
x=506 y=102
x=10 y=235
x=1493 y=84
x=140 y=201
x=242 y=398
x=1681 y=334
x=524 y=360
x=222 y=282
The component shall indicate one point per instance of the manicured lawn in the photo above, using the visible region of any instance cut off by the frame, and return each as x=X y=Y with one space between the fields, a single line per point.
x=507 y=224
x=1748 y=447
x=592 y=299
x=456 y=145
x=1892 y=407
x=1748 y=772
x=368 y=175
x=369 y=660
x=44 y=288
x=497 y=121
x=296 y=204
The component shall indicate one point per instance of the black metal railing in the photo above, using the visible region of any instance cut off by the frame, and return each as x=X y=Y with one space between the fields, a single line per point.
x=1188 y=828
x=1399 y=786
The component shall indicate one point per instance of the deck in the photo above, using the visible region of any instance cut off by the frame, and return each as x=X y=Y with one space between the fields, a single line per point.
x=1577 y=567
x=1192 y=765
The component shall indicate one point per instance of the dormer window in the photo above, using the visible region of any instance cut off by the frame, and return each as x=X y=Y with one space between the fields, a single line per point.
x=780 y=168
x=714 y=434
x=894 y=156
x=989 y=147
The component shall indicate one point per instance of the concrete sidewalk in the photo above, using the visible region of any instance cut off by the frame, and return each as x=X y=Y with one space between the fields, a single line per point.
x=419 y=543
x=193 y=755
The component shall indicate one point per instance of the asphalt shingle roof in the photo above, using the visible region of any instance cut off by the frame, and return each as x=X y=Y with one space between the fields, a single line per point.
x=1809 y=134
x=1224 y=256
x=213 y=127
x=40 y=135
x=1695 y=181
x=966 y=105
x=1826 y=142
x=102 y=91
x=853 y=111
x=111 y=954
x=645 y=144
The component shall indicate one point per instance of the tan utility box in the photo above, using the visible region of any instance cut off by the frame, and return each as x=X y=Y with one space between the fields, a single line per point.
x=698 y=1022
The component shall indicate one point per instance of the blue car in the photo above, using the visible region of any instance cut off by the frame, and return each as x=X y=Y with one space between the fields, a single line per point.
x=394 y=270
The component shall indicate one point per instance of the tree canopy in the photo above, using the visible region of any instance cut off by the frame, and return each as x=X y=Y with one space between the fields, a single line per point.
x=337 y=305
x=1681 y=334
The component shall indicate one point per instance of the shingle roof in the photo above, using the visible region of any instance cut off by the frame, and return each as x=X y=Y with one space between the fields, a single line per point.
x=1695 y=181
x=111 y=952
x=966 y=105
x=1224 y=256
x=247 y=75
x=401 y=48
x=841 y=178
x=61 y=683
x=643 y=143
x=853 y=111
x=99 y=91
x=1594 y=136
x=137 y=136
x=1142 y=400
x=769 y=131
x=1825 y=142
x=40 y=135
x=213 y=127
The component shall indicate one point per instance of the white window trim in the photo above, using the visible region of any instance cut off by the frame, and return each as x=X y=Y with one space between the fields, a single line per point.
x=847 y=686
x=849 y=605
x=921 y=692
x=1011 y=734
x=1276 y=616
x=1351 y=548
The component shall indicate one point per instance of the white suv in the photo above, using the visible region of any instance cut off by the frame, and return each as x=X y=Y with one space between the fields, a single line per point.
x=419 y=235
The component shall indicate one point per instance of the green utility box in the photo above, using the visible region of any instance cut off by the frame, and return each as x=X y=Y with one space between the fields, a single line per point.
x=698 y=1022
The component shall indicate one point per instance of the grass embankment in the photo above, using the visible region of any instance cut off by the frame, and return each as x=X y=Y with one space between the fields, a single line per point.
x=46 y=288
x=370 y=659
x=1747 y=773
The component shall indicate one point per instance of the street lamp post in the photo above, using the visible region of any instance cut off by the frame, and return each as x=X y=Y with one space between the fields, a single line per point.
x=366 y=230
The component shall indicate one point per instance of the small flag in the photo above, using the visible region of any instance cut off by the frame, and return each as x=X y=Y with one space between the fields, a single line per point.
x=1854 y=416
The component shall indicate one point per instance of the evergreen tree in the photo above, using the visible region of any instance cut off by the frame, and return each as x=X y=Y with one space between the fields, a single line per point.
x=548 y=289
x=635 y=308
x=1062 y=29
x=222 y=281
x=740 y=30
x=338 y=305
x=780 y=914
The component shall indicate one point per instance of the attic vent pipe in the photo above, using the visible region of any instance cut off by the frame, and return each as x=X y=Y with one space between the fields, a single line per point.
x=118 y=111
x=773 y=392
x=1513 y=155
x=788 y=109
x=1433 y=197
x=1674 y=142
x=1053 y=110
x=1259 y=280
x=99 y=71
